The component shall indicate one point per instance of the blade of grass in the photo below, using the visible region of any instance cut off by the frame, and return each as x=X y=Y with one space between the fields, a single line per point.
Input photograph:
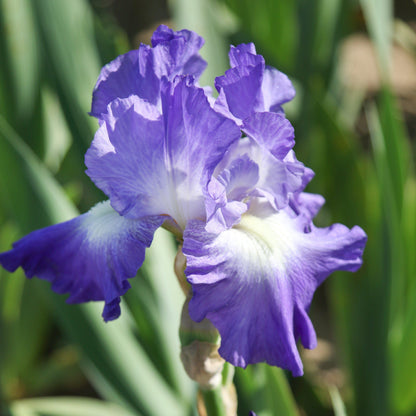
x=21 y=38
x=119 y=358
x=337 y=403
x=68 y=39
x=66 y=406
x=265 y=390
x=358 y=301
x=386 y=130
x=271 y=25
x=56 y=132
x=50 y=195
x=278 y=394
x=379 y=20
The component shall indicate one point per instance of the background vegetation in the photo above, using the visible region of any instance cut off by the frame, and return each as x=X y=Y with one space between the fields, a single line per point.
x=354 y=67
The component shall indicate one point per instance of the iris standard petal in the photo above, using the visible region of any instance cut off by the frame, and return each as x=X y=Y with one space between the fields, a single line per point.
x=244 y=55
x=90 y=257
x=248 y=170
x=255 y=282
x=239 y=91
x=250 y=86
x=125 y=155
x=276 y=89
x=177 y=53
x=129 y=74
x=226 y=193
x=196 y=139
x=157 y=166
x=138 y=72
x=272 y=131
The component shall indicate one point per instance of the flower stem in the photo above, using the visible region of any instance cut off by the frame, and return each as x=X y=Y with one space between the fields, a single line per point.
x=213 y=402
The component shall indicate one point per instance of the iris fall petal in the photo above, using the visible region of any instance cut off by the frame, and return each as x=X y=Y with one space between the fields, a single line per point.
x=90 y=257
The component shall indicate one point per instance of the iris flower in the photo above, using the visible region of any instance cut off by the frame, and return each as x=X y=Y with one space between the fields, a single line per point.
x=221 y=174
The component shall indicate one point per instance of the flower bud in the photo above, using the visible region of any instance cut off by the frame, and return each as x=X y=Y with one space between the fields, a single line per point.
x=199 y=352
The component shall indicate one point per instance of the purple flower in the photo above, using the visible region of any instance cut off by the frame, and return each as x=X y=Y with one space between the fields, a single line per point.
x=139 y=72
x=167 y=154
x=250 y=86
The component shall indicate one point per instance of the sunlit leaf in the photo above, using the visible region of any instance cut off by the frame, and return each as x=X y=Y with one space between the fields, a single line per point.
x=68 y=37
x=22 y=42
x=379 y=19
x=67 y=406
x=337 y=403
x=56 y=133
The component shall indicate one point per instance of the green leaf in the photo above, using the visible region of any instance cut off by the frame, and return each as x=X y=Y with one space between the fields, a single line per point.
x=68 y=38
x=58 y=138
x=22 y=44
x=278 y=393
x=271 y=25
x=379 y=19
x=328 y=14
x=28 y=320
x=67 y=406
x=115 y=352
x=265 y=390
x=29 y=192
x=337 y=403
x=403 y=365
x=391 y=155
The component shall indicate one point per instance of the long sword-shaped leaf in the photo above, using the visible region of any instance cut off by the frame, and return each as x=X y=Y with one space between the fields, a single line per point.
x=21 y=38
x=265 y=390
x=115 y=352
x=112 y=348
x=68 y=38
x=379 y=18
x=35 y=179
x=66 y=406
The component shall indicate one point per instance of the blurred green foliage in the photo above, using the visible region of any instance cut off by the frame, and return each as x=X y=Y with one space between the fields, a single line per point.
x=51 y=52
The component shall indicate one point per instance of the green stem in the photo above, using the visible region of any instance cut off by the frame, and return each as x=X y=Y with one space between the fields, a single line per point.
x=213 y=402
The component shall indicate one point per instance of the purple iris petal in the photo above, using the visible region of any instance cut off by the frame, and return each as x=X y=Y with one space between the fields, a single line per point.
x=249 y=170
x=239 y=91
x=276 y=89
x=255 y=282
x=244 y=55
x=150 y=165
x=131 y=73
x=126 y=150
x=307 y=205
x=90 y=257
x=225 y=193
x=177 y=53
x=138 y=72
x=271 y=130
x=250 y=86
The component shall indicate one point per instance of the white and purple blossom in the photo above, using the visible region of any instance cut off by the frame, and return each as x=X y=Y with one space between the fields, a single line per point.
x=222 y=175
